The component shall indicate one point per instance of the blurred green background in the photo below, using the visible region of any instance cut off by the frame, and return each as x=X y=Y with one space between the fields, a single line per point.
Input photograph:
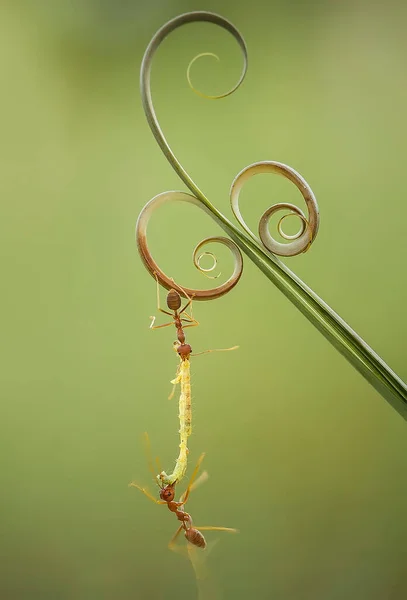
x=304 y=457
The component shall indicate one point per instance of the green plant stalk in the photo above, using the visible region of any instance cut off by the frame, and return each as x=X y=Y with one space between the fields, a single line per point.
x=326 y=320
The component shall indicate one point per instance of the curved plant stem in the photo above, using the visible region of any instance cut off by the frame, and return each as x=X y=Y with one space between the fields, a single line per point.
x=326 y=320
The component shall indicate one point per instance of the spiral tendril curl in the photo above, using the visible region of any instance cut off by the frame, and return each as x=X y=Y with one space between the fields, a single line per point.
x=191 y=85
x=299 y=233
x=206 y=270
x=298 y=242
x=154 y=269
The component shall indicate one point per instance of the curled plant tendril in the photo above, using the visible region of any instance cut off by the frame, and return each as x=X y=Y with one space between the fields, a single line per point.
x=300 y=241
x=191 y=85
x=145 y=85
x=154 y=269
x=207 y=270
x=198 y=197
x=296 y=235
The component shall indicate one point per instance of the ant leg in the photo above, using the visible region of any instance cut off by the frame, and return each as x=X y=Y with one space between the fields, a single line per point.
x=147 y=493
x=158 y=463
x=185 y=496
x=189 y=303
x=201 y=479
x=152 y=326
x=158 y=298
x=189 y=298
x=149 y=456
x=210 y=528
x=165 y=312
x=171 y=543
x=214 y=350
x=190 y=321
x=189 y=317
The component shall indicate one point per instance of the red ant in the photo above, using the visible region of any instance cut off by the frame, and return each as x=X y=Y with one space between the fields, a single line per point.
x=167 y=494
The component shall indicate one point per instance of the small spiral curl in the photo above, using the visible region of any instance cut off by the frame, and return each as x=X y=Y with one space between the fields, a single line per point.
x=168 y=282
x=300 y=241
x=205 y=270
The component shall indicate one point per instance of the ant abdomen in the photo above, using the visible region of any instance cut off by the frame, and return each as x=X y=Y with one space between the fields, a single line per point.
x=195 y=538
x=173 y=300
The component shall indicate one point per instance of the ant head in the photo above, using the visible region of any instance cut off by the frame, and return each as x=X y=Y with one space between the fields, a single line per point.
x=173 y=300
x=167 y=493
x=184 y=350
